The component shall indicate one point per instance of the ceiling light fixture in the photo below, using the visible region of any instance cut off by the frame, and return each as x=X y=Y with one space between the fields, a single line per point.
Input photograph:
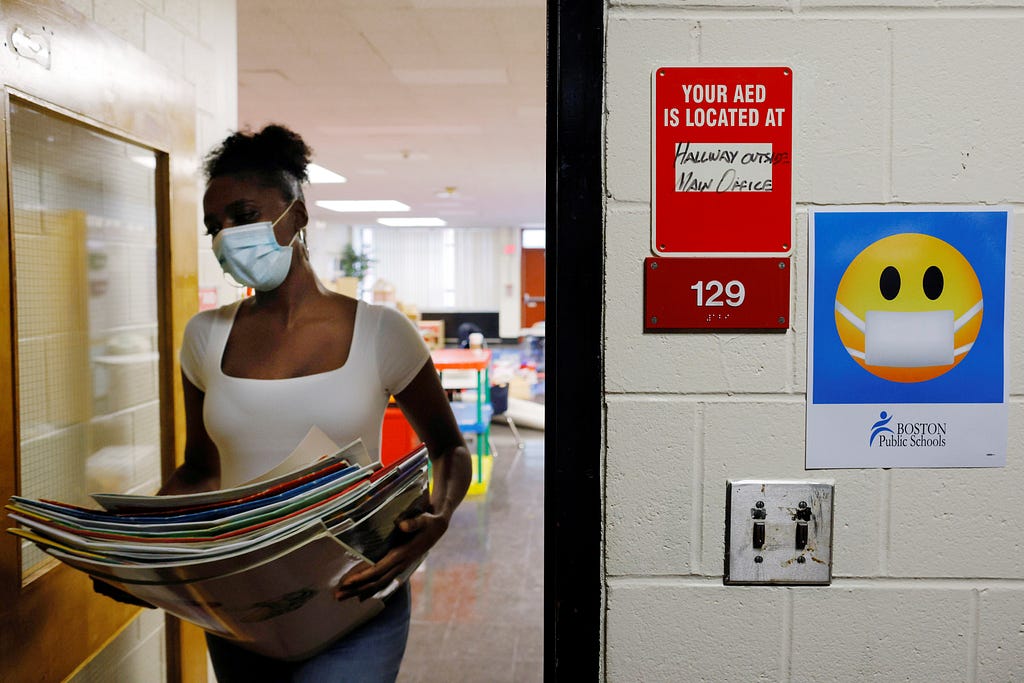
x=318 y=174
x=412 y=222
x=361 y=205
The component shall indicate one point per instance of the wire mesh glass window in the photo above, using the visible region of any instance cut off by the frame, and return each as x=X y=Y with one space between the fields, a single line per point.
x=84 y=230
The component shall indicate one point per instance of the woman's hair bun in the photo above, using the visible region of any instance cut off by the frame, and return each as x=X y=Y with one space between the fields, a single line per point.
x=272 y=150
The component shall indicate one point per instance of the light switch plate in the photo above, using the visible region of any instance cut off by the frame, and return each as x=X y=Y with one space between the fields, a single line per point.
x=778 y=532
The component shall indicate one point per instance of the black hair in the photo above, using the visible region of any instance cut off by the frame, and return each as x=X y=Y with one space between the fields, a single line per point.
x=276 y=155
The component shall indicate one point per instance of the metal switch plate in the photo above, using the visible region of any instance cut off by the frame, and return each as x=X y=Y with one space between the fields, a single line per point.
x=778 y=532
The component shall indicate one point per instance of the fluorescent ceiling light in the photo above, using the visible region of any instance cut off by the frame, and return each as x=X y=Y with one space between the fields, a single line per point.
x=361 y=205
x=319 y=174
x=412 y=222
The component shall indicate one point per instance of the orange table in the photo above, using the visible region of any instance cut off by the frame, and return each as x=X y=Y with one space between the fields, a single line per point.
x=461 y=359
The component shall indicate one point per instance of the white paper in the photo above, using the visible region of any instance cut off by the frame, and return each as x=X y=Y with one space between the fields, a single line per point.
x=313 y=446
x=284 y=608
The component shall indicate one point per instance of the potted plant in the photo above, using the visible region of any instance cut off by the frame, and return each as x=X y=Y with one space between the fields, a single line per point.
x=353 y=266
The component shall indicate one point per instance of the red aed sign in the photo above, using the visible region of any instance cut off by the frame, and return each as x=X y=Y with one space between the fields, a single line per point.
x=716 y=293
x=721 y=180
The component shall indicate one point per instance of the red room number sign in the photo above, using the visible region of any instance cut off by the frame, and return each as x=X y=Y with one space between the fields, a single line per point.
x=716 y=293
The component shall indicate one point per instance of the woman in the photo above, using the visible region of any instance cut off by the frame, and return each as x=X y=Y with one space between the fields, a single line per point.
x=259 y=373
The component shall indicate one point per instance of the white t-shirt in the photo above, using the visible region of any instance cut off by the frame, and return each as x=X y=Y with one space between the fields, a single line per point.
x=256 y=423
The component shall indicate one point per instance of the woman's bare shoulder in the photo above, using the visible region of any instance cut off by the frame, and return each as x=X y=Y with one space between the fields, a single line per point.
x=340 y=307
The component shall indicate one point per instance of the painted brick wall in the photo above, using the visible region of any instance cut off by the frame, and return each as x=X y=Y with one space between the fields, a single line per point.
x=196 y=40
x=913 y=103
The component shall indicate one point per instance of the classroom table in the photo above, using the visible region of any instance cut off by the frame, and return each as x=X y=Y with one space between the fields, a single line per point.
x=475 y=417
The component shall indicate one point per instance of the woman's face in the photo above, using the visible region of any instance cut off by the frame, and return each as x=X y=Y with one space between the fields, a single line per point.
x=236 y=200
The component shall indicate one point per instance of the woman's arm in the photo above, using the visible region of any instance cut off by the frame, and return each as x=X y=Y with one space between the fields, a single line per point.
x=425 y=405
x=201 y=469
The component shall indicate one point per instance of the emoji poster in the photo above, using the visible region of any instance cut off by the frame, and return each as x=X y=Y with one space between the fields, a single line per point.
x=907 y=341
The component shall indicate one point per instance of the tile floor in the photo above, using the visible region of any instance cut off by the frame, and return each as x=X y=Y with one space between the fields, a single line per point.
x=478 y=612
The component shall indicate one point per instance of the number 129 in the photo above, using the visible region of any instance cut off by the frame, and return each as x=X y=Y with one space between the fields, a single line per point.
x=733 y=291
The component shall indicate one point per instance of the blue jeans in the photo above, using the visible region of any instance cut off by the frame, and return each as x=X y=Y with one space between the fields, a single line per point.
x=370 y=654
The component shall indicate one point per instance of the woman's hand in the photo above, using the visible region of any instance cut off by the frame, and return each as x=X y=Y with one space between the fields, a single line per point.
x=421 y=533
x=425 y=405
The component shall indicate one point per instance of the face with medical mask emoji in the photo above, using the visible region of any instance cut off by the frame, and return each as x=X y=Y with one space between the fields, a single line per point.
x=909 y=308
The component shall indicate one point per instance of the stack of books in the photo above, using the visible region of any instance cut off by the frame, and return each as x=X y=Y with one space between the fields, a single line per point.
x=257 y=564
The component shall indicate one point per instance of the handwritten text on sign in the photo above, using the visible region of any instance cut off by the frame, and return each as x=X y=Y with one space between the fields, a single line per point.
x=725 y=167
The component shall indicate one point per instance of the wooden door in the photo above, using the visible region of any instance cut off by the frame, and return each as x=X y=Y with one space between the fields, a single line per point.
x=98 y=276
x=532 y=274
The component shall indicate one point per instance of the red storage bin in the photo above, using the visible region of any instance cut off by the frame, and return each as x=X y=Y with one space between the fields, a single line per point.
x=398 y=436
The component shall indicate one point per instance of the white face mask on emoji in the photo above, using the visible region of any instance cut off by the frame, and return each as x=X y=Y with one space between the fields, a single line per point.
x=251 y=255
x=909 y=339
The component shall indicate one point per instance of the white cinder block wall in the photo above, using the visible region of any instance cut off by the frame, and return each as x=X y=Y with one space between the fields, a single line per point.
x=197 y=41
x=915 y=103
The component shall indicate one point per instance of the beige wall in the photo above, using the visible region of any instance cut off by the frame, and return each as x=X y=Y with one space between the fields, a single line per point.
x=911 y=104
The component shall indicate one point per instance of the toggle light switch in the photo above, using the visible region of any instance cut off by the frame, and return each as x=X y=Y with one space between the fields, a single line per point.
x=758 y=535
x=778 y=532
x=801 y=535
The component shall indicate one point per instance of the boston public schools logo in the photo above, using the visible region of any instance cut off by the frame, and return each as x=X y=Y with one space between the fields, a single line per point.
x=880 y=427
x=889 y=434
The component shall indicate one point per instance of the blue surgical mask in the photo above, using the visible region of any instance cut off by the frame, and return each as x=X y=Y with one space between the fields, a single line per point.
x=251 y=255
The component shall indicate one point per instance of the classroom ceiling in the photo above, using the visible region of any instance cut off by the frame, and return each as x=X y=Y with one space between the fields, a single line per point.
x=438 y=104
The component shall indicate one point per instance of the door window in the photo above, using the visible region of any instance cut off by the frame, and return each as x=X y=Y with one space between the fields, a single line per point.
x=84 y=225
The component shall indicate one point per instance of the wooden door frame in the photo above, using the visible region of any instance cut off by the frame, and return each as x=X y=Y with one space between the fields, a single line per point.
x=573 y=437
x=99 y=80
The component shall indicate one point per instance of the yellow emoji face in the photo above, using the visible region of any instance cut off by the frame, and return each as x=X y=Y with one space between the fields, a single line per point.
x=909 y=307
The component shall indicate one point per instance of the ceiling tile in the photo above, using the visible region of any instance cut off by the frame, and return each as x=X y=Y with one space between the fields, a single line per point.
x=399 y=96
